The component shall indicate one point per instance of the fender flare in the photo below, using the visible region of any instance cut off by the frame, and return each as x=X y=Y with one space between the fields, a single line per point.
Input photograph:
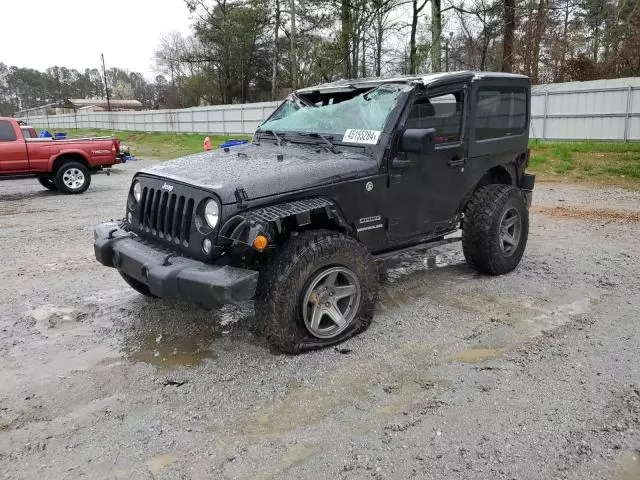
x=244 y=227
x=508 y=169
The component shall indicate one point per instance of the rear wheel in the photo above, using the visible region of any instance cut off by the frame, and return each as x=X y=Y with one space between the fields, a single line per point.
x=72 y=177
x=48 y=183
x=318 y=290
x=495 y=229
x=137 y=285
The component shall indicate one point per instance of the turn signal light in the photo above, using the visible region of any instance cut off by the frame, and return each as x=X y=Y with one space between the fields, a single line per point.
x=260 y=243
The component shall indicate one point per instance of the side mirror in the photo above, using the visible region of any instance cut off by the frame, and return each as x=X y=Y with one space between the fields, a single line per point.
x=418 y=140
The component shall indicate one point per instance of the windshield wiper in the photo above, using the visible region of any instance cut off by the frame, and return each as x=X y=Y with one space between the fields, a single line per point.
x=275 y=135
x=326 y=139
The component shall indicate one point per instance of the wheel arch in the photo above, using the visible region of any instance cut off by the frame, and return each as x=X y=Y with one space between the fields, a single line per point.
x=65 y=157
x=499 y=174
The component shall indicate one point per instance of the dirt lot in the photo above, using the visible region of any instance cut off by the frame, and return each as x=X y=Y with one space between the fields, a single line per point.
x=534 y=375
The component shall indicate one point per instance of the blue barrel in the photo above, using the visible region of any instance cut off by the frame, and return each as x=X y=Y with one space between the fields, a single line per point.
x=45 y=134
x=233 y=143
x=60 y=135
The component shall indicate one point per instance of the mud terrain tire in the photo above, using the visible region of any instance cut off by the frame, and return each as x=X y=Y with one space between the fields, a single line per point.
x=286 y=297
x=495 y=229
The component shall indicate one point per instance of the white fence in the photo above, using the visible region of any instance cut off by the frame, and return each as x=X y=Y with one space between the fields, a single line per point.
x=598 y=110
x=241 y=118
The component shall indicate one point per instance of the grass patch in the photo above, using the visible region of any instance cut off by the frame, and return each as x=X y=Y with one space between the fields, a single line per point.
x=589 y=162
x=631 y=171
x=164 y=146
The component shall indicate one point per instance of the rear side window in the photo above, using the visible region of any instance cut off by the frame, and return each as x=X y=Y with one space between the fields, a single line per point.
x=7 y=134
x=28 y=132
x=443 y=112
x=500 y=112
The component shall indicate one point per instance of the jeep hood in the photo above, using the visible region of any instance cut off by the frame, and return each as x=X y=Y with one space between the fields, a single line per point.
x=264 y=170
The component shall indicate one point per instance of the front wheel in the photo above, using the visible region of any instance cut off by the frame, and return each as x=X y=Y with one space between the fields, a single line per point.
x=73 y=177
x=48 y=183
x=495 y=229
x=319 y=289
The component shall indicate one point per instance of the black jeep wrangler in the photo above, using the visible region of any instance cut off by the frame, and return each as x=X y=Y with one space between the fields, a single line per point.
x=340 y=175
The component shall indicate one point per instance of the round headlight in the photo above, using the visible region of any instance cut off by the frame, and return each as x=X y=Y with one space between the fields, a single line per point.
x=212 y=213
x=137 y=191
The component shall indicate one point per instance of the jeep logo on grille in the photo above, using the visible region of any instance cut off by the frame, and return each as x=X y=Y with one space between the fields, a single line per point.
x=167 y=187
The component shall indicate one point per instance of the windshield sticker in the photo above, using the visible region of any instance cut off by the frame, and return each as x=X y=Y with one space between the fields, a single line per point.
x=369 y=137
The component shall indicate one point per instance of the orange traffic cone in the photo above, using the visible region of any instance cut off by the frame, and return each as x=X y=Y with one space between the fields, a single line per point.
x=207 y=144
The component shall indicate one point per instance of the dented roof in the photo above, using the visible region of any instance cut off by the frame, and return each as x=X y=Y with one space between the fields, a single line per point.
x=427 y=79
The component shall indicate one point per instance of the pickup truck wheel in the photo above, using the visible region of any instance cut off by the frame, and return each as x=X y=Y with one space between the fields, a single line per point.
x=495 y=229
x=136 y=285
x=48 y=183
x=319 y=289
x=72 y=177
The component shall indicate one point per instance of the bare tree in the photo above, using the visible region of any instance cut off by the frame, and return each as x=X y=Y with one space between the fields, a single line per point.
x=169 y=55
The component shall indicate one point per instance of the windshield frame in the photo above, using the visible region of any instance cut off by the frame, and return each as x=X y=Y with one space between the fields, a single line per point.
x=306 y=137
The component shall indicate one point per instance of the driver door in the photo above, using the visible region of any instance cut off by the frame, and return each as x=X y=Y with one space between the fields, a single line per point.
x=425 y=194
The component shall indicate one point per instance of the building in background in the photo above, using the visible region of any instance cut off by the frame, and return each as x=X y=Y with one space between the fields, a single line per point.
x=73 y=105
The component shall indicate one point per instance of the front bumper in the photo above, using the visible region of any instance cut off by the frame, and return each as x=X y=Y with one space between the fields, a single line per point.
x=169 y=276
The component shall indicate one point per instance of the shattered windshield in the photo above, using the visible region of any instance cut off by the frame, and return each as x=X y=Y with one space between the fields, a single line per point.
x=363 y=114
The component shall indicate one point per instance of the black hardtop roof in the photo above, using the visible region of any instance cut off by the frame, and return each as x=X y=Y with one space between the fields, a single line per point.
x=426 y=80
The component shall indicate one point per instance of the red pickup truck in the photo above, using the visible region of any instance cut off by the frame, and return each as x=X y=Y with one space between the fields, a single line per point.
x=64 y=165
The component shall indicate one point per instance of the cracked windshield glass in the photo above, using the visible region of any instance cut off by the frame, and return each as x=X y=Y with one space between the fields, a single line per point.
x=365 y=112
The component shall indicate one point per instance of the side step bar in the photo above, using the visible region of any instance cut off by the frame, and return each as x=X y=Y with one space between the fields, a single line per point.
x=414 y=248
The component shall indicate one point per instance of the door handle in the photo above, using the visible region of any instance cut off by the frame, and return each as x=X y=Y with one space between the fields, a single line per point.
x=456 y=162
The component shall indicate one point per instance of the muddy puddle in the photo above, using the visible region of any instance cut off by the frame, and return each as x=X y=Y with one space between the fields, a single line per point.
x=476 y=355
x=169 y=349
x=164 y=334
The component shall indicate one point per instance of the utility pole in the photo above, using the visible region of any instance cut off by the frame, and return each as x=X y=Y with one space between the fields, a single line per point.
x=106 y=86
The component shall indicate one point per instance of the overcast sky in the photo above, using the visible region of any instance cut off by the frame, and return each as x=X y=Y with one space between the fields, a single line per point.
x=73 y=33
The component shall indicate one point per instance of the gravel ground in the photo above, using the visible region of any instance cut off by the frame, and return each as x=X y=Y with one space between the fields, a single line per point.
x=533 y=375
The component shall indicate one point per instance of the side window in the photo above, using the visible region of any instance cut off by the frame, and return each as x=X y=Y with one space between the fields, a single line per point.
x=6 y=132
x=500 y=112
x=27 y=132
x=444 y=113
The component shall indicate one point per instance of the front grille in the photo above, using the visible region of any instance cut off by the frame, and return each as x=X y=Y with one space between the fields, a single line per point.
x=165 y=215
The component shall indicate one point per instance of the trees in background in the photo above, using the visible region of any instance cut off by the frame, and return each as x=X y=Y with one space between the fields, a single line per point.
x=301 y=42
x=256 y=50
x=23 y=88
